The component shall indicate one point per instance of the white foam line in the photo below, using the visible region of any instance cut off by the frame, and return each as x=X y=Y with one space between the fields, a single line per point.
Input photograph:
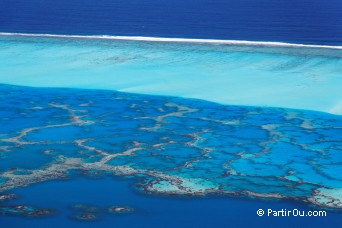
x=179 y=40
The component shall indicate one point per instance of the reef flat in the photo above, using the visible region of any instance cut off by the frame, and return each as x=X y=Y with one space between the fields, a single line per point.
x=227 y=72
x=170 y=145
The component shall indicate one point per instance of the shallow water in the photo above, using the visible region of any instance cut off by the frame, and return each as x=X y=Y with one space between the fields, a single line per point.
x=171 y=146
x=304 y=78
x=69 y=154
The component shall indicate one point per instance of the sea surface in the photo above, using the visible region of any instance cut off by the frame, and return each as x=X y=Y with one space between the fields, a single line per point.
x=182 y=161
x=233 y=74
x=179 y=113
x=295 y=21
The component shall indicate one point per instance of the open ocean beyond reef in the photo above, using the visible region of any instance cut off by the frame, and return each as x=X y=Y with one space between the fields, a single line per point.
x=155 y=113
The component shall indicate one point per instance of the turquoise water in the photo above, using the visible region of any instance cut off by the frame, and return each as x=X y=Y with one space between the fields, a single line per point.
x=84 y=158
x=258 y=146
x=304 y=78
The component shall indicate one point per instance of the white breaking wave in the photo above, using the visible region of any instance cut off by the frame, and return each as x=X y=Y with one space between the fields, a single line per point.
x=179 y=40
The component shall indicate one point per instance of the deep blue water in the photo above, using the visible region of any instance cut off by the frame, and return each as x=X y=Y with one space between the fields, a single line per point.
x=167 y=212
x=296 y=21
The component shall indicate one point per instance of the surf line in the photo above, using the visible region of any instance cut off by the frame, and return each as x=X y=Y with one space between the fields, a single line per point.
x=179 y=40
